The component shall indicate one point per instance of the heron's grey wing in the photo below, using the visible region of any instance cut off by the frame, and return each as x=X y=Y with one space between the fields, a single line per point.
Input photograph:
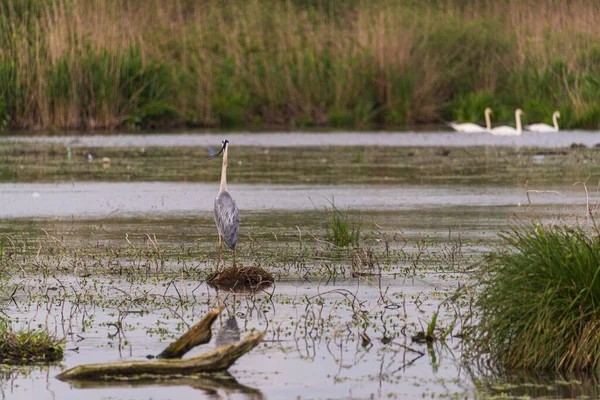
x=227 y=218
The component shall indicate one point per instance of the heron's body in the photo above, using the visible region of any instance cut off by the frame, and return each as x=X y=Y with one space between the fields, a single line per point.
x=227 y=218
x=227 y=215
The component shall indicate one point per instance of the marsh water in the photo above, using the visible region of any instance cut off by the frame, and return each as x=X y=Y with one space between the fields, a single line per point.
x=107 y=241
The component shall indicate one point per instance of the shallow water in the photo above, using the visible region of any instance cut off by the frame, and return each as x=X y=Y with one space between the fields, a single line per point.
x=337 y=139
x=296 y=357
x=105 y=199
x=87 y=253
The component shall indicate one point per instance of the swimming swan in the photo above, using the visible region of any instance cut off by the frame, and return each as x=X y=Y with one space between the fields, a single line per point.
x=509 y=130
x=474 y=128
x=545 y=127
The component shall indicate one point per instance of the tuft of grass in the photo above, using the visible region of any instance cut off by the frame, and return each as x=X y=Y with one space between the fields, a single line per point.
x=539 y=307
x=28 y=346
x=431 y=325
x=340 y=231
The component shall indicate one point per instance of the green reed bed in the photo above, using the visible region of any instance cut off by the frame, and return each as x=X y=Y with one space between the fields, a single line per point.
x=108 y=64
x=539 y=307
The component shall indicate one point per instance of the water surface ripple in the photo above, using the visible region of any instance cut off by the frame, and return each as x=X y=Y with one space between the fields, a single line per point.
x=123 y=199
x=341 y=139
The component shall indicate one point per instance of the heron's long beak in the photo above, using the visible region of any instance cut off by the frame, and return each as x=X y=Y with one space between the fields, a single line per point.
x=216 y=154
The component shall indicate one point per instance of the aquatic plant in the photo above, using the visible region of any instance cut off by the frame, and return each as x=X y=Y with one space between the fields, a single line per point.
x=28 y=346
x=429 y=335
x=539 y=307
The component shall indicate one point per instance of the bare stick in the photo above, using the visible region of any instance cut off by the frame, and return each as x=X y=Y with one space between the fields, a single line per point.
x=589 y=212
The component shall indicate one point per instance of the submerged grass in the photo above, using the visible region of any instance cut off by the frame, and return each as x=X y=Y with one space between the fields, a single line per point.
x=28 y=346
x=107 y=64
x=540 y=302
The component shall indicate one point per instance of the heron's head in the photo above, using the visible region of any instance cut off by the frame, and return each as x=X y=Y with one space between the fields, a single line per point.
x=224 y=145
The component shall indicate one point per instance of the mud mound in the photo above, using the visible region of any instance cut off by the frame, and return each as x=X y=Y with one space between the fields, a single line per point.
x=241 y=278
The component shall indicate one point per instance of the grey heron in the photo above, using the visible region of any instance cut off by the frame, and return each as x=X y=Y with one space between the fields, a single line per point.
x=227 y=215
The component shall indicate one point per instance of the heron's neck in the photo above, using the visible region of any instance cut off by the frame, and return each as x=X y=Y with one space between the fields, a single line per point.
x=224 y=171
x=488 y=121
x=518 y=120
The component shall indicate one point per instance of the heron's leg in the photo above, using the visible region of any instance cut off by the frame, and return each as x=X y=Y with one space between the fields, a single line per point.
x=233 y=256
x=220 y=250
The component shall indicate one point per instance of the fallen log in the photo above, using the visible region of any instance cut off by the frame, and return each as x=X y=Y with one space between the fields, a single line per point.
x=195 y=336
x=219 y=359
x=169 y=363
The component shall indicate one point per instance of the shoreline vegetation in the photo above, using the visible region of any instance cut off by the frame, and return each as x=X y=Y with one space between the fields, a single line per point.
x=538 y=304
x=107 y=64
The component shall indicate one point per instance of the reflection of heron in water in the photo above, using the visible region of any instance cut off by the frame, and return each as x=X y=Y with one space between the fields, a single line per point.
x=229 y=333
x=227 y=215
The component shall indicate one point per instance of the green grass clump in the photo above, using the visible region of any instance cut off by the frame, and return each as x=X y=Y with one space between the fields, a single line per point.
x=539 y=307
x=340 y=230
x=28 y=346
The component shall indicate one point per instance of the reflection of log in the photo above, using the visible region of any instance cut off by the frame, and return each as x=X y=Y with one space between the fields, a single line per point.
x=216 y=360
x=210 y=383
x=196 y=335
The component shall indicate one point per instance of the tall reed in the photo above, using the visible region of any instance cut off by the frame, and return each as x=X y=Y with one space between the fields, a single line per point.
x=106 y=63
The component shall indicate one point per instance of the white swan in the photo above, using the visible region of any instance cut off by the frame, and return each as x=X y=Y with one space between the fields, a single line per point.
x=506 y=130
x=474 y=128
x=545 y=127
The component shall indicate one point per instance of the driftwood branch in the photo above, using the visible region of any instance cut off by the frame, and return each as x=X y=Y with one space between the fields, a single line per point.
x=170 y=364
x=216 y=360
x=195 y=336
